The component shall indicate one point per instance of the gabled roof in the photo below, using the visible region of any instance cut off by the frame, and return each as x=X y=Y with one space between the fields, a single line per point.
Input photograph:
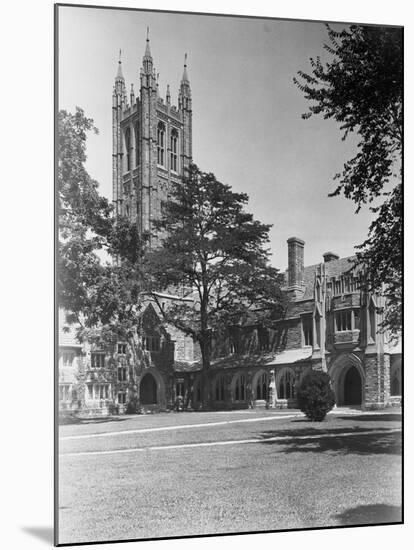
x=334 y=268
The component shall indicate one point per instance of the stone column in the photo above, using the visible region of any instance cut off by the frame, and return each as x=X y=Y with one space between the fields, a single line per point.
x=272 y=399
x=249 y=390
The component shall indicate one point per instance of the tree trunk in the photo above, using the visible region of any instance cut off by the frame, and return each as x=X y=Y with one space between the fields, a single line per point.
x=205 y=347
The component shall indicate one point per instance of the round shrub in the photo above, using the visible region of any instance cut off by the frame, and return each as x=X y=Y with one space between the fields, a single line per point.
x=315 y=396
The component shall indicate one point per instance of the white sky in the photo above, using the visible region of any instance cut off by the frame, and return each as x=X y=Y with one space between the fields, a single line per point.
x=247 y=127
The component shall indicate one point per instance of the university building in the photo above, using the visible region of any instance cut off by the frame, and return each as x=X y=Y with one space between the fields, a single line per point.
x=331 y=321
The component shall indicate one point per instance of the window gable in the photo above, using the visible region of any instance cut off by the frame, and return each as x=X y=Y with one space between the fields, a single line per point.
x=307 y=330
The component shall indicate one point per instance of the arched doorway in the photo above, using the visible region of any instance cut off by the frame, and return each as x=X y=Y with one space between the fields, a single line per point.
x=148 y=390
x=348 y=379
x=352 y=387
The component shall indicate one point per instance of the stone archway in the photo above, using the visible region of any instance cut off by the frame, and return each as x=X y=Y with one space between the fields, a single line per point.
x=348 y=379
x=352 y=387
x=260 y=386
x=148 y=390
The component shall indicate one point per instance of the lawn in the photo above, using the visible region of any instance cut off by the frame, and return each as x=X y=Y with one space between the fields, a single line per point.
x=289 y=473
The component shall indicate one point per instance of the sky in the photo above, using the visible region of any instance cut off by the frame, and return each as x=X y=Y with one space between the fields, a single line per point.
x=247 y=125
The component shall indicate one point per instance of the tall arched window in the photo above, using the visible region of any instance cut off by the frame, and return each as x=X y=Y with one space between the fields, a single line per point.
x=137 y=145
x=220 y=388
x=160 y=143
x=174 y=148
x=262 y=386
x=128 y=148
x=240 y=388
x=372 y=328
x=286 y=389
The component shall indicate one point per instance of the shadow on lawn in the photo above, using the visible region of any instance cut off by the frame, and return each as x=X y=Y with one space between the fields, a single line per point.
x=370 y=515
x=390 y=417
x=69 y=420
x=345 y=442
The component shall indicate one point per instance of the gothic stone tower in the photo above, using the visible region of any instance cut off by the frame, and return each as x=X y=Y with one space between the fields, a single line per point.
x=152 y=144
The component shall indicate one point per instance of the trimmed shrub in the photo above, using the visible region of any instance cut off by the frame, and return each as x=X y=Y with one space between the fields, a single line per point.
x=315 y=396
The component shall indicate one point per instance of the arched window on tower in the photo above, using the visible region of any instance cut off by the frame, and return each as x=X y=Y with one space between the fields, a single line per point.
x=174 y=148
x=160 y=143
x=372 y=329
x=137 y=148
x=128 y=148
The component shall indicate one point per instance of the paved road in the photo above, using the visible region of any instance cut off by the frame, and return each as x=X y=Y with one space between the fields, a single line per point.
x=182 y=474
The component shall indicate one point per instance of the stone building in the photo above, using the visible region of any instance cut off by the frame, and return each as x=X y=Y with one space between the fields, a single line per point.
x=152 y=144
x=331 y=322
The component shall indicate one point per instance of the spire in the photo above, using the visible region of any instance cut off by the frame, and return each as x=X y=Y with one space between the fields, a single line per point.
x=147 y=48
x=132 y=95
x=147 y=59
x=185 y=75
x=168 y=96
x=119 y=75
x=184 y=96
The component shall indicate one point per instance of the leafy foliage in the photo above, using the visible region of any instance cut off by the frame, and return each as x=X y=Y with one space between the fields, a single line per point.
x=102 y=298
x=361 y=87
x=315 y=396
x=215 y=252
x=84 y=216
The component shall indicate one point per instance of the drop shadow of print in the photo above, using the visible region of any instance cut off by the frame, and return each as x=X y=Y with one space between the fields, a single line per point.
x=371 y=514
x=42 y=533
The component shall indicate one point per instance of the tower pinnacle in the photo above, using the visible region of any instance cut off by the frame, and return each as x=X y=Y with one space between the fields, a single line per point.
x=119 y=74
x=185 y=74
x=147 y=59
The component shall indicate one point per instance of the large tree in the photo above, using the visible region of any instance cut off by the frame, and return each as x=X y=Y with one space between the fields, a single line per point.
x=103 y=298
x=361 y=87
x=216 y=251
x=84 y=217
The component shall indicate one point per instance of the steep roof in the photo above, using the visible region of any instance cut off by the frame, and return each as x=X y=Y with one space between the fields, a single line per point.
x=334 y=268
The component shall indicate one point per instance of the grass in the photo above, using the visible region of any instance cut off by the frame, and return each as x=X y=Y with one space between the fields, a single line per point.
x=306 y=482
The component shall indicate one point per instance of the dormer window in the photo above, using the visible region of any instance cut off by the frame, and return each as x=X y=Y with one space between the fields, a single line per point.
x=307 y=330
x=337 y=287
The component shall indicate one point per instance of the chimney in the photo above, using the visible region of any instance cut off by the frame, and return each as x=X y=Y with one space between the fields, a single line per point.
x=329 y=256
x=295 y=262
